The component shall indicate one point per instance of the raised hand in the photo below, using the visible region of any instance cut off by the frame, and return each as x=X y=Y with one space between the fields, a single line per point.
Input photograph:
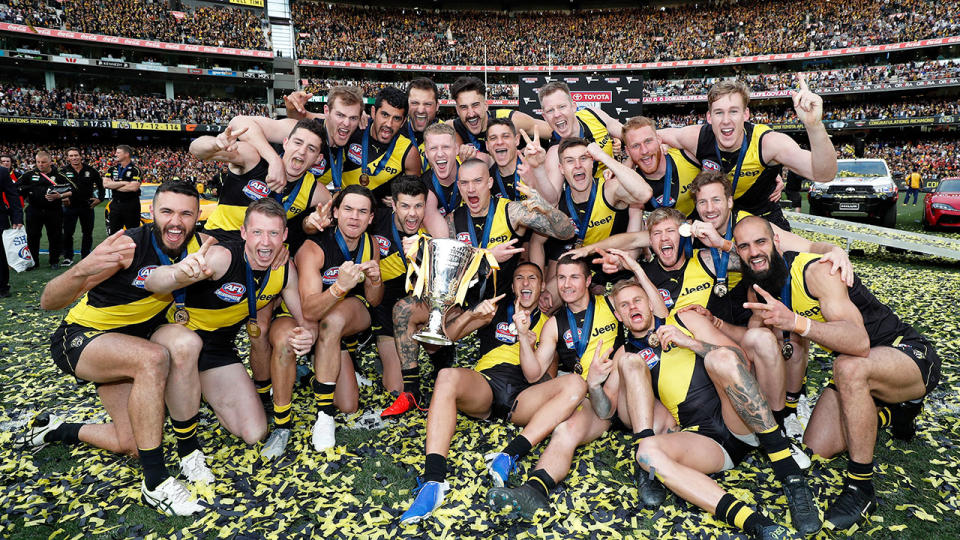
x=349 y=275
x=321 y=217
x=774 y=313
x=297 y=101
x=534 y=201
x=809 y=106
x=194 y=266
x=467 y=151
x=108 y=255
x=625 y=260
x=227 y=139
x=610 y=262
x=521 y=319
x=276 y=178
x=488 y=307
x=600 y=366
x=504 y=251
x=533 y=154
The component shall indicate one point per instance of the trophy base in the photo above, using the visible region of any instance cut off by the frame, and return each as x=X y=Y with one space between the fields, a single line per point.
x=432 y=338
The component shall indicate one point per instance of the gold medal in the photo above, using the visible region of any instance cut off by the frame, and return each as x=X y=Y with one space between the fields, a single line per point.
x=653 y=340
x=578 y=368
x=181 y=316
x=578 y=244
x=787 y=350
x=364 y=180
x=720 y=289
x=253 y=329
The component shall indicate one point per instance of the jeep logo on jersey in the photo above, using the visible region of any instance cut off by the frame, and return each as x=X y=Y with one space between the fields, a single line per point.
x=331 y=275
x=142 y=276
x=384 y=245
x=650 y=357
x=320 y=166
x=464 y=237
x=256 y=190
x=355 y=153
x=568 y=337
x=231 y=292
x=665 y=295
x=503 y=333
x=603 y=329
x=709 y=165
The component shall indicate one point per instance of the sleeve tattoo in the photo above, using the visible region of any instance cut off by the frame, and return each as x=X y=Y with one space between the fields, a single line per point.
x=549 y=222
x=600 y=402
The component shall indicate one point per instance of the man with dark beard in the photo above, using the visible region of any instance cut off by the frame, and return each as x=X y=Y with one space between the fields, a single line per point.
x=881 y=362
x=105 y=339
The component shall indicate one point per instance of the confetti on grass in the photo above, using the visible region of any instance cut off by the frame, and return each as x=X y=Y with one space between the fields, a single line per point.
x=360 y=488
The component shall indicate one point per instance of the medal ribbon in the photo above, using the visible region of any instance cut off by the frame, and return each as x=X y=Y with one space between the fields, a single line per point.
x=667 y=187
x=642 y=343
x=346 y=251
x=287 y=200
x=503 y=187
x=454 y=198
x=398 y=242
x=743 y=154
x=581 y=335
x=581 y=223
x=488 y=225
x=336 y=167
x=251 y=287
x=179 y=295
x=720 y=261
x=383 y=159
x=786 y=296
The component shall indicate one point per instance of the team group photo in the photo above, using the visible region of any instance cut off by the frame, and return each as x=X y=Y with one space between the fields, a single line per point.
x=302 y=269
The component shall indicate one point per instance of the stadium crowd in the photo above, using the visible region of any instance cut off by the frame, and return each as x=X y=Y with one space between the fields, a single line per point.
x=158 y=162
x=932 y=158
x=103 y=104
x=216 y=26
x=35 y=12
x=371 y=88
x=608 y=36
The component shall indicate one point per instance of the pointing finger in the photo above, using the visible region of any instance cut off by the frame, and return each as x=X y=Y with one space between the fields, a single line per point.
x=762 y=292
x=802 y=82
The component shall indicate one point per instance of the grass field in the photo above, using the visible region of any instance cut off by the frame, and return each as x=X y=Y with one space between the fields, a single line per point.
x=360 y=488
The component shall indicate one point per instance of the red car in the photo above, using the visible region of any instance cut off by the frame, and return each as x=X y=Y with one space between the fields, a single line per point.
x=942 y=207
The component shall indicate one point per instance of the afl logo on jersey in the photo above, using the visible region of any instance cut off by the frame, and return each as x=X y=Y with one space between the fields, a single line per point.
x=649 y=357
x=331 y=275
x=355 y=153
x=568 y=337
x=672 y=201
x=464 y=237
x=503 y=333
x=231 y=292
x=384 y=245
x=256 y=190
x=320 y=166
x=665 y=295
x=142 y=276
x=710 y=165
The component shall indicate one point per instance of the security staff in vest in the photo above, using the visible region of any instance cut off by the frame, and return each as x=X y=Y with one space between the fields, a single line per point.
x=223 y=287
x=381 y=152
x=123 y=181
x=107 y=338
x=339 y=281
x=470 y=97
x=880 y=360
x=748 y=153
x=486 y=222
x=11 y=217
x=44 y=190
x=81 y=204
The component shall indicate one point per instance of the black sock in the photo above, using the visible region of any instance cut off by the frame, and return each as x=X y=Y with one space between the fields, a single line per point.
x=154 y=468
x=633 y=439
x=67 y=433
x=411 y=381
x=324 y=394
x=790 y=404
x=263 y=389
x=518 y=447
x=282 y=415
x=860 y=475
x=541 y=482
x=435 y=469
x=740 y=515
x=780 y=416
x=441 y=358
x=883 y=417
x=186 y=433
x=775 y=444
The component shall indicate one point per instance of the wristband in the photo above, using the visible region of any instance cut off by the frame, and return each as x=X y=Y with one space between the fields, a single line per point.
x=728 y=245
x=801 y=322
x=337 y=292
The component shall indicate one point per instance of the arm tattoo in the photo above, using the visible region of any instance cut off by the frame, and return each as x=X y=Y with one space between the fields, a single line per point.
x=734 y=264
x=451 y=229
x=553 y=222
x=747 y=400
x=600 y=402
x=407 y=348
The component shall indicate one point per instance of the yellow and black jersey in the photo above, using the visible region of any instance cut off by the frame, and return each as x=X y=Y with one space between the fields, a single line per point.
x=680 y=381
x=393 y=262
x=120 y=303
x=448 y=197
x=239 y=190
x=593 y=220
x=681 y=170
x=479 y=141
x=591 y=325
x=336 y=252
x=690 y=284
x=757 y=179
x=591 y=128
x=384 y=161
x=130 y=173
x=883 y=325
x=737 y=216
x=505 y=185
x=417 y=138
x=486 y=232
x=217 y=307
x=499 y=346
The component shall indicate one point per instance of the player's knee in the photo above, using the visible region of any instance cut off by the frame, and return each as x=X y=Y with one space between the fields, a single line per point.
x=723 y=363
x=155 y=363
x=566 y=435
x=647 y=450
x=761 y=342
x=574 y=388
x=330 y=329
x=447 y=381
x=184 y=351
x=849 y=370
x=633 y=364
x=253 y=432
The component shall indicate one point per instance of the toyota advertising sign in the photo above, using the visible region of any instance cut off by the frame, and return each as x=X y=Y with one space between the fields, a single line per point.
x=620 y=96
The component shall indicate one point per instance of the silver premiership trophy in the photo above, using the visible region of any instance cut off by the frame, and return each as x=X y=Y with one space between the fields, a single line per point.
x=447 y=262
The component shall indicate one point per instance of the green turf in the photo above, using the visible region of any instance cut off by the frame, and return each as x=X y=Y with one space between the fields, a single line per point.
x=360 y=489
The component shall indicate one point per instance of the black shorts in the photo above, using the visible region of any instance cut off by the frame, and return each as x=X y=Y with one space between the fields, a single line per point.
x=68 y=343
x=718 y=431
x=506 y=382
x=381 y=319
x=924 y=355
x=775 y=215
x=217 y=352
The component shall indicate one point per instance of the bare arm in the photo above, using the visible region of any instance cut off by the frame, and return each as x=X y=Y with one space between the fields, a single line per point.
x=210 y=262
x=315 y=301
x=614 y=127
x=433 y=221
x=530 y=124
x=685 y=138
x=110 y=256
x=291 y=295
x=472 y=319
x=818 y=164
x=535 y=363
x=411 y=162
x=537 y=214
x=844 y=331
